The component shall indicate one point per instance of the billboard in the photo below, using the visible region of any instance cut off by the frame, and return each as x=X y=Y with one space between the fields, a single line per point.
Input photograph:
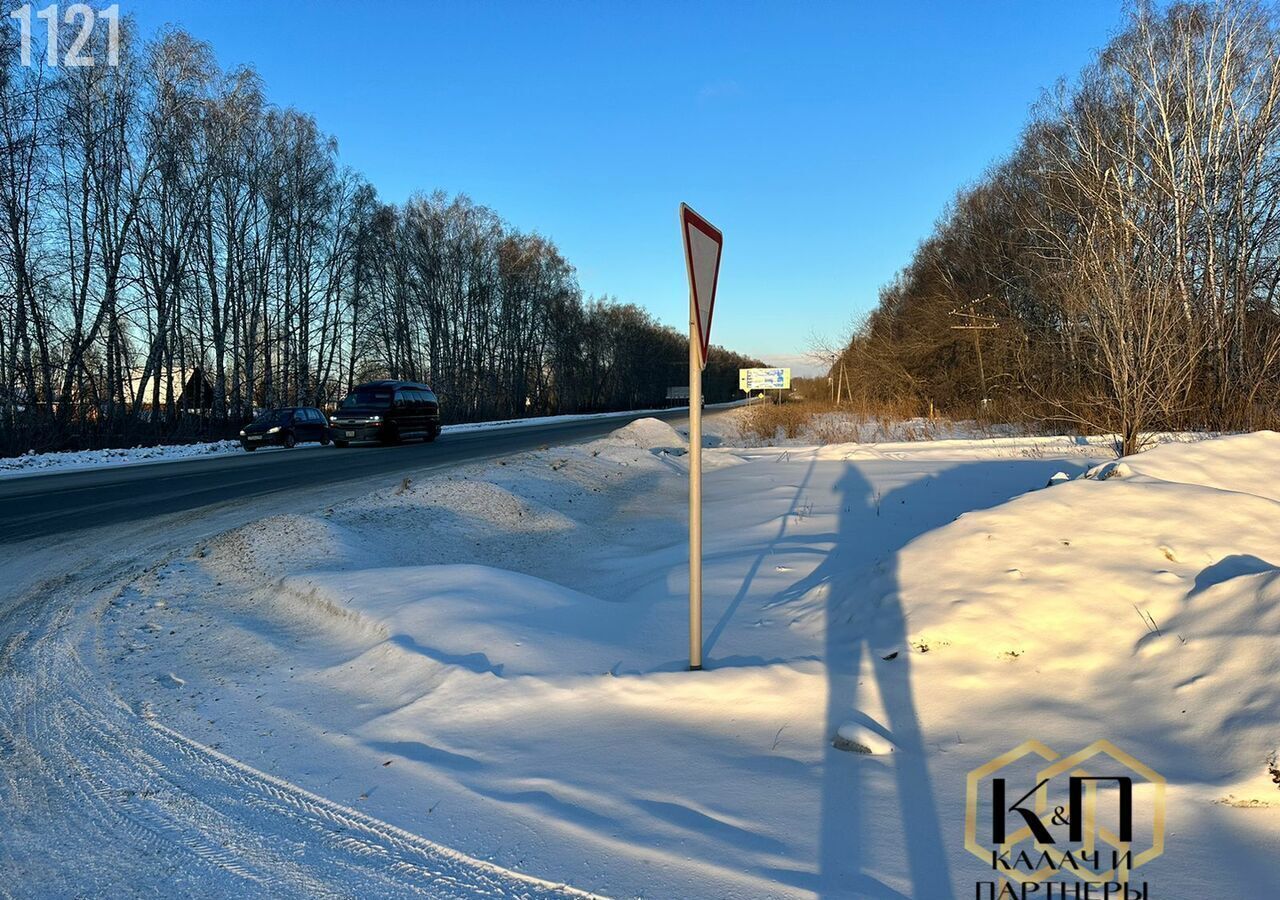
x=764 y=379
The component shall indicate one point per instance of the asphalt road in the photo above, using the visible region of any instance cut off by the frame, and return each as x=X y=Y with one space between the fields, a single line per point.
x=59 y=504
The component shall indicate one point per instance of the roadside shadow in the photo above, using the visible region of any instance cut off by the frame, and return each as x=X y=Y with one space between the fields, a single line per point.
x=710 y=642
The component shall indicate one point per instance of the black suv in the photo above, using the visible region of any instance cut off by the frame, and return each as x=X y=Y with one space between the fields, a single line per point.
x=285 y=427
x=386 y=411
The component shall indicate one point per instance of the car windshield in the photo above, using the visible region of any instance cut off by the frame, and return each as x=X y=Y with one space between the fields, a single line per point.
x=273 y=417
x=377 y=397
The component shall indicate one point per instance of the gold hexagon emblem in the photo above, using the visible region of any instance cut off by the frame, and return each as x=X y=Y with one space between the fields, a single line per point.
x=1053 y=839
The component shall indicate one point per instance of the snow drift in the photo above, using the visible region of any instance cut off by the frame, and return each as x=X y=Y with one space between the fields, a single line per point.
x=1146 y=604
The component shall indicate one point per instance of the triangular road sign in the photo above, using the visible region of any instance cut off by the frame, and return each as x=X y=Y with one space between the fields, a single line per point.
x=702 y=245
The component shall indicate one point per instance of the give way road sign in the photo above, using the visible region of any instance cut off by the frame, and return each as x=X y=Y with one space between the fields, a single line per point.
x=702 y=245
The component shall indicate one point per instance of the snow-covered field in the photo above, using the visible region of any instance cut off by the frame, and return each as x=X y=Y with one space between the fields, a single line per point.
x=492 y=660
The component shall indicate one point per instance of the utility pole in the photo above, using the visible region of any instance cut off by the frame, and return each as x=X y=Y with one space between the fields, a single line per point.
x=971 y=320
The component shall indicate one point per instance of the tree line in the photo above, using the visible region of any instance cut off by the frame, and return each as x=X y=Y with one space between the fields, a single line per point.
x=176 y=252
x=1119 y=270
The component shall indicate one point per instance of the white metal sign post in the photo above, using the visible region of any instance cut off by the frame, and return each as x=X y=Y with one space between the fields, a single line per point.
x=702 y=245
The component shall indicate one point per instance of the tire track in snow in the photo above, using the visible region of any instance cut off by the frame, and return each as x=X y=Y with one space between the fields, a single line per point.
x=99 y=799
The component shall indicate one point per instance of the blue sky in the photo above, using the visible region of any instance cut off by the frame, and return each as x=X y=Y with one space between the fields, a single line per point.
x=824 y=139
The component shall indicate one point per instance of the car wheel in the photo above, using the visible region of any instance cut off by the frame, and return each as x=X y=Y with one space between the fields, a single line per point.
x=340 y=444
x=249 y=448
x=324 y=440
x=289 y=440
x=390 y=435
x=431 y=435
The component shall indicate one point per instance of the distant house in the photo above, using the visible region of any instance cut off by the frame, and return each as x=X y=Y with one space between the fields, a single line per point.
x=197 y=393
x=191 y=388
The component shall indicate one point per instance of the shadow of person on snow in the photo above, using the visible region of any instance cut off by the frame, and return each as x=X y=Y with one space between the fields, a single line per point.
x=864 y=623
x=858 y=626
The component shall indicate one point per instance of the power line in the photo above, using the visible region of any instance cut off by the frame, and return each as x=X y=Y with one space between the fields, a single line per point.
x=971 y=320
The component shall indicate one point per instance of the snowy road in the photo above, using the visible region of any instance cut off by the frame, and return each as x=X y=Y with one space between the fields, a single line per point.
x=143 y=810
x=44 y=505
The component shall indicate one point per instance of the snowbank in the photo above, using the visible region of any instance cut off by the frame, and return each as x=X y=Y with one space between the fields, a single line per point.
x=1146 y=605
x=73 y=460
x=651 y=434
x=441 y=615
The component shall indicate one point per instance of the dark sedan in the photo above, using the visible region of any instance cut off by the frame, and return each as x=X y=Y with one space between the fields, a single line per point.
x=285 y=427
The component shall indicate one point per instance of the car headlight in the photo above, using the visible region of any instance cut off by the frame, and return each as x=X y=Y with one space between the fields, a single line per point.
x=273 y=430
x=375 y=418
x=241 y=432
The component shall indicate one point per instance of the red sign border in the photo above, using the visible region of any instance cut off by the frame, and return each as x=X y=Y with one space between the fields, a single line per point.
x=687 y=218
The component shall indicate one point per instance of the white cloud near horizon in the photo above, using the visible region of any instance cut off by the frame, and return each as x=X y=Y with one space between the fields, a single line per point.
x=801 y=366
